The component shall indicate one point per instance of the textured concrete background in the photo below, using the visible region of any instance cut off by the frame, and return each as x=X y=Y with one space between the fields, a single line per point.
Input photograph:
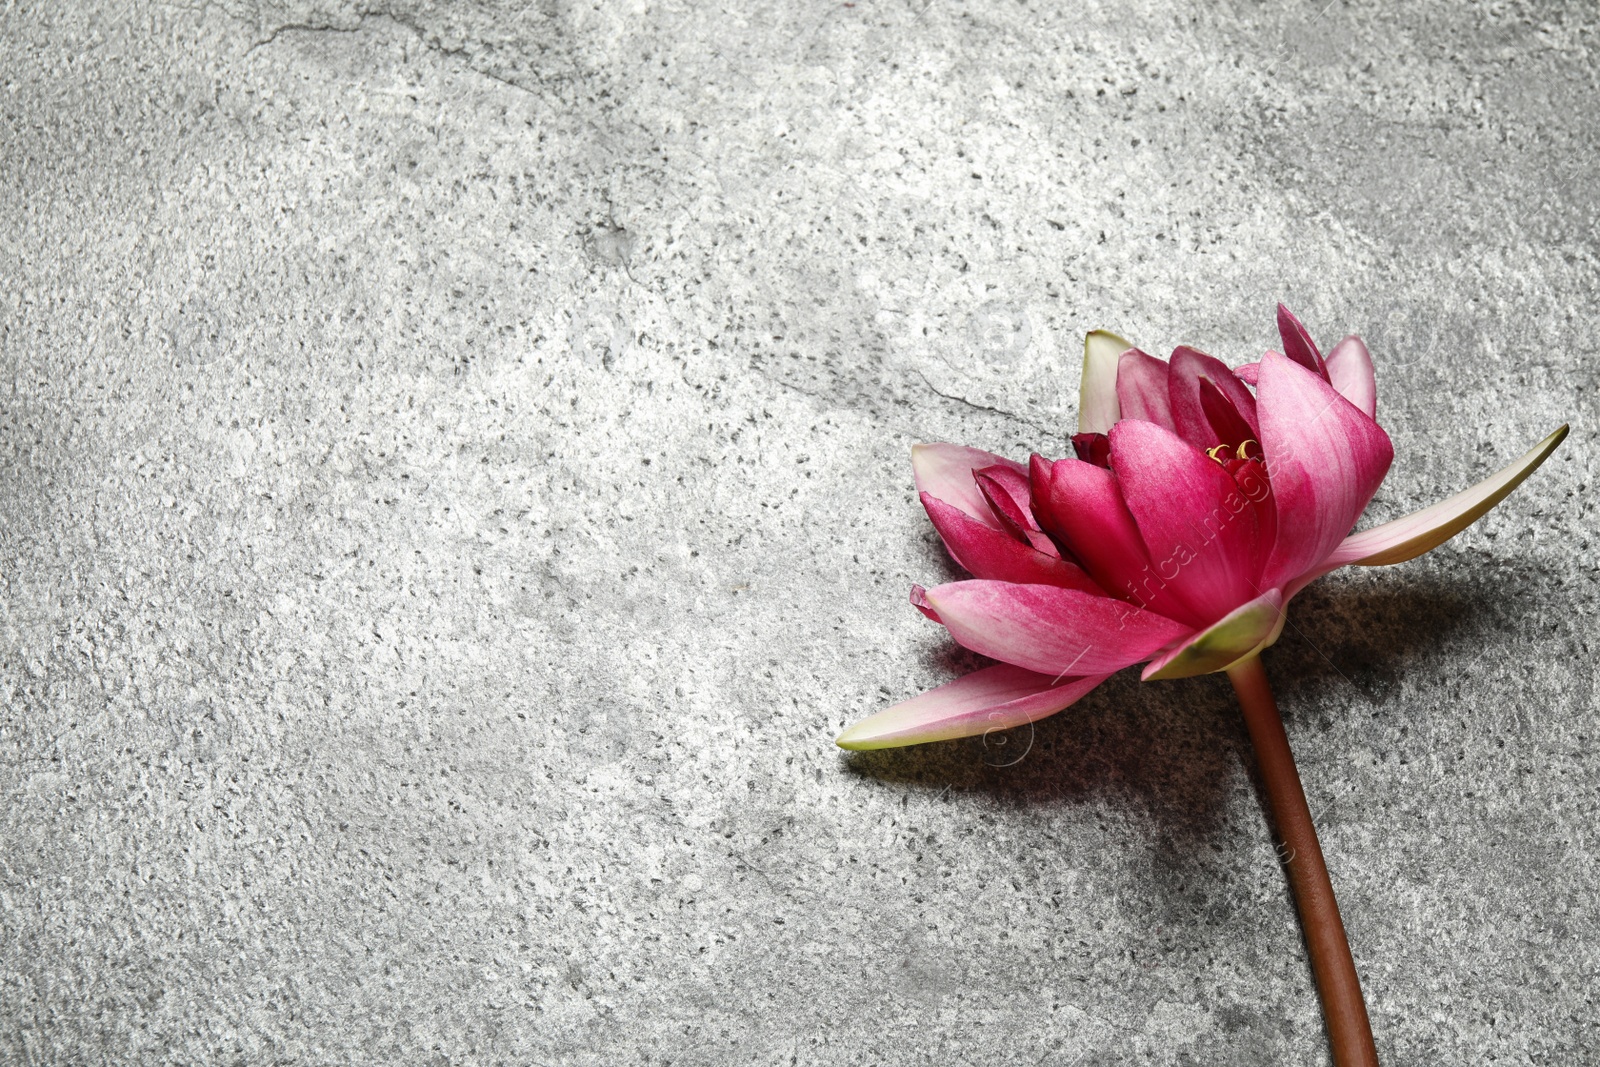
x=454 y=484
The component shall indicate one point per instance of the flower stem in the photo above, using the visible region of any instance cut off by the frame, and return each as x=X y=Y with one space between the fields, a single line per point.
x=1349 y=1032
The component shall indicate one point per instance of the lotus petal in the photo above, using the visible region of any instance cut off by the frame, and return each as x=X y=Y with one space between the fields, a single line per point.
x=945 y=471
x=1142 y=388
x=1350 y=372
x=1082 y=507
x=1298 y=345
x=995 y=698
x=1097 y=389
x=1425 y=530
x=1325 y=458
x=1198 y=528
x=989 y=552
x=1243 y=632
x=1189 y=418
x=1049 y=629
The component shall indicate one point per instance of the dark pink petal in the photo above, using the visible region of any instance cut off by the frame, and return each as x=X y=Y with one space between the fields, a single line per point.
x=1092 y=448
x=1142 y=388
x=1298 y=345
x=1242 y=632
x=1039 y=470
x=1049 y=629
x=1010 y=507
x=946 y=472
x=1039 y=487
x=1325 y=459
x=1350 y=372
x=919 y=600
x=995 y=698
x=1039 y=490
x=988 y=552
x=1250 y=475
x=1189 y=417
x=1002 y=507
x=1226 y=422
x=1097 y=388
x=1013 y=479
x=1084 y=510
x=1247 y=373
x=1198 y=528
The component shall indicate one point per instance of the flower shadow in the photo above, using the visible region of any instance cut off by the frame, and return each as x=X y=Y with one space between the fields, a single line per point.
x=1164 y=751
x=1166 y=757
x=1350 y=639
x=1168 y=751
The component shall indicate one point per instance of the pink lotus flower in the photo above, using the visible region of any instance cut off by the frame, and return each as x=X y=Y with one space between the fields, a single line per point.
x=1200 y=501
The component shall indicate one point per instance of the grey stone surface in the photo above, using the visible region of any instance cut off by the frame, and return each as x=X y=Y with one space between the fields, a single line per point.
x=454 y=484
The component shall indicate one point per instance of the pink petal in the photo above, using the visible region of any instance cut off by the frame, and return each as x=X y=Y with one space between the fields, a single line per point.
x=1183 y=392
x=1198 y=528
x=1005 y=510
x=1350 y=372
x=1247 y=373
x=1227 y=424
x=919 y=600
x=1325 y=459
x=945 y=471
x=1039 y=488
x=987 y=552
x=1082 y=506
x=1005 y=489
x=1298 y=345
x=1049 y=629
x=1092 y=448
x=995 y=698
x=1013 y=478
x=1097 y=389
x=1142 y=388
x=1244 y=631
x=1422 y=531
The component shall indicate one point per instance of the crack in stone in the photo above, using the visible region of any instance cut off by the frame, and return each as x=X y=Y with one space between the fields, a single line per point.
x=427 y=39
x=983 y=407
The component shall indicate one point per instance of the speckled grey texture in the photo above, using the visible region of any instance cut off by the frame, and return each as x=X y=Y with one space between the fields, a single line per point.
x=454 y=485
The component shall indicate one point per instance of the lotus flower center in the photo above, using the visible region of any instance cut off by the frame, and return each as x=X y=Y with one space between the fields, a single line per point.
x=1249 y=448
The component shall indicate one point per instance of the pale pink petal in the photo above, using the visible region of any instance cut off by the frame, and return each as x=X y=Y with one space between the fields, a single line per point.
x=1350 y=372
x=1189 y=419
x=1325 y=459
x=1097 y=389
x=995 y=698
x=1298 y=345
x=988 y=552
x=1198 y=528
x=1248 y=373
x=1142 y=388
x=945 y=471
x=1422 y=531
x=1245 y=631
x=1049 y=629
